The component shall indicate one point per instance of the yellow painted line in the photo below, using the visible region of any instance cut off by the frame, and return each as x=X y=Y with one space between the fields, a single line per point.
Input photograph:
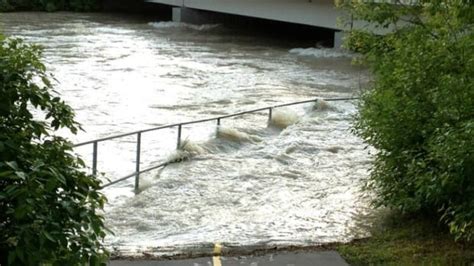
x=217 y=248
x=216 y=259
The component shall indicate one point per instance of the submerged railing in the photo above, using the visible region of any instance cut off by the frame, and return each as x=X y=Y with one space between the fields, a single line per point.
x=139 y=171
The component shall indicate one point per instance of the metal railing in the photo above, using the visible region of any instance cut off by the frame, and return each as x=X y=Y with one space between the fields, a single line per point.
x=139 y=171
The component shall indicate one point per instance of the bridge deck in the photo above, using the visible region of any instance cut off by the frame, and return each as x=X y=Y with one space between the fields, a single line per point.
x=320 y=13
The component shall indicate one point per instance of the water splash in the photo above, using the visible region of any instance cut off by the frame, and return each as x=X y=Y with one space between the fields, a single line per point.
x=282 y=118
x=319 y=52
x=234 y=135
x=186 y=151
x=193 y=148
x=182 y=25
x=322 y=105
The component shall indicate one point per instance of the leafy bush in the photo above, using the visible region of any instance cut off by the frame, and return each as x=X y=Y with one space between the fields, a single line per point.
x=49 y=5
x=83 y=5
x=5 y=6
x=419 y=111
x=49 y=207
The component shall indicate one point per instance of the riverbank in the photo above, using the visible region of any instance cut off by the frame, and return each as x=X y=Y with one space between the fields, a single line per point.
x=401 y=240
x=194 y=252
x=395 y=240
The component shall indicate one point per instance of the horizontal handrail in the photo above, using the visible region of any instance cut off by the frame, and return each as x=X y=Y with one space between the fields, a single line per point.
x=134 y=174
x=138 y=133
x=210 y=119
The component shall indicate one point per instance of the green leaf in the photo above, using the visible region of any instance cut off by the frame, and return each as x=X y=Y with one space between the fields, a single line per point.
x=49 y=237
x=6 y=173
x=11 y=258
x=21 y=175
x=20 y=254
x=13 y=165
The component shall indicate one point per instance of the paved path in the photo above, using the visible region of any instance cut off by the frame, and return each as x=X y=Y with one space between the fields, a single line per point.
x=323 y=258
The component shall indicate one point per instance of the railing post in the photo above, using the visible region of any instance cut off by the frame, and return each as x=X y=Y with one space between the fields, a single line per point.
x=137 y=164
x=94 y=158
x=179 y=137
x=139 y=133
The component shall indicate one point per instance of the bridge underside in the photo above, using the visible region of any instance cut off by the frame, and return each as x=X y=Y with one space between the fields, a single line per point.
x=316 y=13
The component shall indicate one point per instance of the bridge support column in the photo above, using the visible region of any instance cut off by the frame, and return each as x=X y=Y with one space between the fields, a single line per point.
x=338 y=39
x=189 y=15
x=176 y=14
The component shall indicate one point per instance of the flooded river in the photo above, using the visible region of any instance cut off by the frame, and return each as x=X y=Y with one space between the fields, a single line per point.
x=293 y=181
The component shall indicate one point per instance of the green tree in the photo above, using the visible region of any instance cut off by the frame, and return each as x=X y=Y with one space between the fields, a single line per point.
x=49 y=5
x=49 y=207
x=419 y=110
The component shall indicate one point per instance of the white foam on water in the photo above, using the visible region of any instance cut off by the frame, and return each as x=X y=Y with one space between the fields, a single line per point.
x=282 y=118
x=322 y=105
x=234 y=135
x=250 y=185
x=187 y=150
x=193 y=148
x=319 y=52
x=182 y=25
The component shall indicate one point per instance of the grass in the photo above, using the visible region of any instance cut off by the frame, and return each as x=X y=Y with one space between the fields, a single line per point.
x=402 y=240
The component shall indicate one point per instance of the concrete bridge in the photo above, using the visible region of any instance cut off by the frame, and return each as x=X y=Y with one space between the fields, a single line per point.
x=317 y=13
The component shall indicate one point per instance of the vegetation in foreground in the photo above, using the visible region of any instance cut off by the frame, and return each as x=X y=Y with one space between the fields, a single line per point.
x=419 y=115
x=49 y=207
x=49 y=5
x=418 y=112
x=405 y=240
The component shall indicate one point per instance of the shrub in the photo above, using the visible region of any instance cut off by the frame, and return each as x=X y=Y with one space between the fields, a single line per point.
x=49 y=5
x=5 y=6
x=419 y=110
x=84 y=5
x=49 y=207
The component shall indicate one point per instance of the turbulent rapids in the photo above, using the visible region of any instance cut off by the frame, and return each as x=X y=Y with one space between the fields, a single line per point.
x=293 y=180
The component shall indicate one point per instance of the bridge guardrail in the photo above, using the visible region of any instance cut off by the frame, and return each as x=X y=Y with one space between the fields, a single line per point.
x=138 y=133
